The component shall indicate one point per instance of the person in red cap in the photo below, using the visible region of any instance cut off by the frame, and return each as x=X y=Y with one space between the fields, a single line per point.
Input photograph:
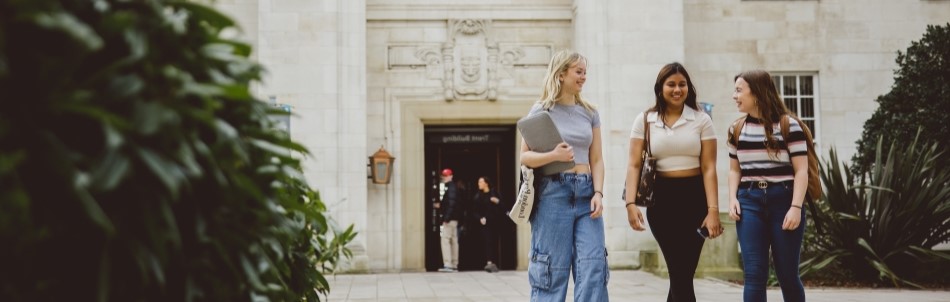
x=451 y=215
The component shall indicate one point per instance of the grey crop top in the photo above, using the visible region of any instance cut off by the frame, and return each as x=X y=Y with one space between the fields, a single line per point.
x=576 y=125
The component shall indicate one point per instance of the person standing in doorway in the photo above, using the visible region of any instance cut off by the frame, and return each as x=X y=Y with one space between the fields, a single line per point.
x=490 y=214
x=450 y=220
x=684 y=143
x=567 y=230
x=768 y=178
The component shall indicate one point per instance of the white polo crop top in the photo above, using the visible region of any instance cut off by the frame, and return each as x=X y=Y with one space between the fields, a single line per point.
x=677 y=147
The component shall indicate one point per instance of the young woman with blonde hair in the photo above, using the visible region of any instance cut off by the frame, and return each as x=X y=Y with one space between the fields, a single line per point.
x=567 y=230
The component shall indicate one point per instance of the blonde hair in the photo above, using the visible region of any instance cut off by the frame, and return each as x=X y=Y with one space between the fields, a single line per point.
x=560 y=63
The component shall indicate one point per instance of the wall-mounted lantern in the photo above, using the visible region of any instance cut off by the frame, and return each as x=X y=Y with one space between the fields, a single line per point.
x=381 y=166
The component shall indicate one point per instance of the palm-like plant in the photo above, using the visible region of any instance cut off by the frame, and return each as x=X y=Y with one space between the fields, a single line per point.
x=883 y=224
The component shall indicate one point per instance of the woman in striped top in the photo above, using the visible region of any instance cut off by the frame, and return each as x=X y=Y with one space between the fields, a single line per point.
x=768 y=177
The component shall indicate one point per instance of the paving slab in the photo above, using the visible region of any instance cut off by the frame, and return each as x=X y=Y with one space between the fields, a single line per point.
x=512 y=286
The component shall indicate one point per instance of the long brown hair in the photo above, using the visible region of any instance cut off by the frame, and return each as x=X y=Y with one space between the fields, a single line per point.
x=770 y=105
x=666 y=72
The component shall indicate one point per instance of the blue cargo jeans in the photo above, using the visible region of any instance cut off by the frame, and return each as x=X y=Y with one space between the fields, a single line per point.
x=565 y=241
x=759 y=229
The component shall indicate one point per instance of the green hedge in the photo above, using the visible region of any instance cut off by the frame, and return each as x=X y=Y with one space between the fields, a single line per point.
x=919 y=99
x=136 y=165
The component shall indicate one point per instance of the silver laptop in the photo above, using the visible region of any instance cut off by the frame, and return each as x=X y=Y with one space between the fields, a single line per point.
x=541 y=135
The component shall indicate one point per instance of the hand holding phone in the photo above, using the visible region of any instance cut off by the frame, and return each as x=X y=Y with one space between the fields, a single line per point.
x=703 y=232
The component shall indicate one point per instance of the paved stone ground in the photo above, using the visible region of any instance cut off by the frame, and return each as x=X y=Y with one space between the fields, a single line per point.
x=624 y=286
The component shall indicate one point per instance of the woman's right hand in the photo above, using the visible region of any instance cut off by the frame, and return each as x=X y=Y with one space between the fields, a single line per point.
x=735 y=212
x=635 y=218
x=563 y=152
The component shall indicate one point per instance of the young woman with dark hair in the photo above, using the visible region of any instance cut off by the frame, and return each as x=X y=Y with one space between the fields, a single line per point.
x=684 y=143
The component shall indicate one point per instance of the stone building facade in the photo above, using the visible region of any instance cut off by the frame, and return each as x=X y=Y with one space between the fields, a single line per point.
x=360 y=74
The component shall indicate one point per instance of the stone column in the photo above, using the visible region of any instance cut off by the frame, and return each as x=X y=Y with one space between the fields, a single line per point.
x=315 y=55
x=626 y=43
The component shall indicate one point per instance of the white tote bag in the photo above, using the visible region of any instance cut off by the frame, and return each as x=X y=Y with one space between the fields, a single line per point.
x=525 y=200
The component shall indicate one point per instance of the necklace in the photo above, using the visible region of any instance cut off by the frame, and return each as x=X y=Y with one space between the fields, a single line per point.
x=569 y=109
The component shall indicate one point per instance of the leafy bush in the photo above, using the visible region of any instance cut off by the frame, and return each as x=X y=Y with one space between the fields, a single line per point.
x=920 y=98
x=884 y=226
x=136 y=166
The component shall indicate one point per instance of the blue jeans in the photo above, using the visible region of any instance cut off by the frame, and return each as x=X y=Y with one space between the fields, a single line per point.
x=565 y=241
x=760 y=228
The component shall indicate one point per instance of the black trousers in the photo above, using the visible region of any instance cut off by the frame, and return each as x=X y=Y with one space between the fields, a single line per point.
x=679 y=210
x=490 y=233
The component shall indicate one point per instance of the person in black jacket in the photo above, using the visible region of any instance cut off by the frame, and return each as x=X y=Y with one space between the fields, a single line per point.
x=450 y=221
x=489 y=211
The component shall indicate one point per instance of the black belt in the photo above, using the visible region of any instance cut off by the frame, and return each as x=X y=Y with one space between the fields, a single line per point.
x=560 y=175
x=761 y=184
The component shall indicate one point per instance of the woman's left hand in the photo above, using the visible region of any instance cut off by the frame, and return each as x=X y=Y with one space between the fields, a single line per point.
x=792 y=218
x=596 y=207
x=712 y=223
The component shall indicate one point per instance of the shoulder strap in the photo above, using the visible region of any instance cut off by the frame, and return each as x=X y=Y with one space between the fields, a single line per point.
x=646 y=134
x=736 y=130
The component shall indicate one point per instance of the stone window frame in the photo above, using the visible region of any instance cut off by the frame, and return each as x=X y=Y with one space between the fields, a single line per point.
x=799 y=91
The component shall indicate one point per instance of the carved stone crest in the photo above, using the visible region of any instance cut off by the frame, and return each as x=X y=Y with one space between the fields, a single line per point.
x=470 y=59
x=470 y=63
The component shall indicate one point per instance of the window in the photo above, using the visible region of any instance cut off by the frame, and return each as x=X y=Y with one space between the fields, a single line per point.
x=800 y=96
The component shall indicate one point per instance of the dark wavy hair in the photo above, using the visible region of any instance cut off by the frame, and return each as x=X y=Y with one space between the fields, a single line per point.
x=666 y=72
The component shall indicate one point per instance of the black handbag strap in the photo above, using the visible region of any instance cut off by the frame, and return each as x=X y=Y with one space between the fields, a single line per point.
x=646 y=135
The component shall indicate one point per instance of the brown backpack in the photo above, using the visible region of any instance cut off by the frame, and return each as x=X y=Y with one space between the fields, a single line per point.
x=813 y=193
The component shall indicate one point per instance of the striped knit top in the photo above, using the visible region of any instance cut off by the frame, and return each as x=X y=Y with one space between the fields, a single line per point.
x=755 y=162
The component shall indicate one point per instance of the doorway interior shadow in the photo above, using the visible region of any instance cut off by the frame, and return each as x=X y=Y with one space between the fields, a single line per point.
x=471 y=151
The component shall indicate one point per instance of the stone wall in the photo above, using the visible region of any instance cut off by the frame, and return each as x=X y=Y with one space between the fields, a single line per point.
x=315 y=55
x=368 y=73
x=850 y=45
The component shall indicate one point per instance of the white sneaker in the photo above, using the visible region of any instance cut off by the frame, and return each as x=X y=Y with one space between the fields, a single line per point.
x=446 y=269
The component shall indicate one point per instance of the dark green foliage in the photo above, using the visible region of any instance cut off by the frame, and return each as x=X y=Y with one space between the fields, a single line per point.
x=136 y=166
x=883 y=226
x=920 y=98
